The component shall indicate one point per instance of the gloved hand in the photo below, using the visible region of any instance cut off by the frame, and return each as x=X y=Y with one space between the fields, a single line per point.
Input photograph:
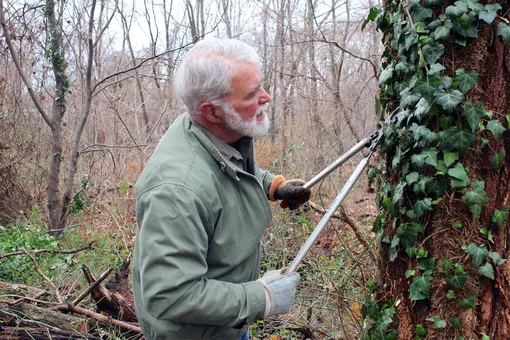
x=280 y=291
x=291 y=192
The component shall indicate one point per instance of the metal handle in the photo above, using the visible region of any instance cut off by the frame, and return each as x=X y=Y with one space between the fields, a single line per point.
x=341 y=160
x=332 y=209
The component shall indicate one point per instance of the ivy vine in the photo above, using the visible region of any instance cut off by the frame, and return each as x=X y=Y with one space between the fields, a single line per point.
x=434 y=126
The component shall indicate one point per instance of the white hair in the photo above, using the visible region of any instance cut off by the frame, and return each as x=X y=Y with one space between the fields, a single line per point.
x=207 y=69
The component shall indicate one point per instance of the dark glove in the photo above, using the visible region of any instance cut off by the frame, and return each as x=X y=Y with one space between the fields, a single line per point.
x=291 y=192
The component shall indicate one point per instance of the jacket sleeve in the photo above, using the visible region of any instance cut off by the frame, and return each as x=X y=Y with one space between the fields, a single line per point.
x=172 y=243
x=265 y=177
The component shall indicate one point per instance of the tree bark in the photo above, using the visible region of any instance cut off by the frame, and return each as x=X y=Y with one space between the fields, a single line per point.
x=489 y=55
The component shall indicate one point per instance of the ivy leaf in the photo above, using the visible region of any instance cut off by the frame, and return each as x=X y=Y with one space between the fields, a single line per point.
x=462 y=41
x=412 y=177
x=428 y=88
x=399 y=190
x=427 y=264
x=438 y=322
x=459 y=175
x=408 y=98
x=410 y=40
x=478 y=254
x=476 y=210
x=395 y=242
x=456 y=10
x=410 y=272
x=418 y=160
x=435 y=69
x=497 y=159
x=459 y=139
x=443 y=32
x=420 y=27
x=465 y=21
x=488 y=14
x=422 y=132
x=408 y=234
x=500 y=216
x=445 y=122
x=456 y=323
x=432 y=3
x=372 y=15
x=421 y=186
x=449 y=101
x=466 y=80
x=477 y=194
x=393 y=254
x=447 y=266
x=421 y=13
x=504 y=31
x=450 y=157
x=431 y=158
x=474 y=5
x=432 y=53
x=467 y=303
x=422 y=206
x=446 y=82
x=420 y=330
x=496 y=128
x=487 y=233
x=487 y=270
x=473 y=114
x=420 y=287
x=450 y=295
x=422 y=108
x=436 y=23
x=469 y=30
x=402 y=66
x=386 y=75
x=496 y=258
x=457 y=279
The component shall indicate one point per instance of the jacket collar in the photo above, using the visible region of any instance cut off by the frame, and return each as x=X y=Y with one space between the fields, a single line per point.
x=209 y=146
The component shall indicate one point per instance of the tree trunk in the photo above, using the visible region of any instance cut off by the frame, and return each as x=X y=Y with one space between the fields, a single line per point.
x=317 y=125
x=445 y=229
x=59 y=108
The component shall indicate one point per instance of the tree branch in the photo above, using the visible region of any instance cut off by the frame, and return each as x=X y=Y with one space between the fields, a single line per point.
x=56 y=292
x=38 y=251
x=92 y=286
x=69 y=307
x=22 y=74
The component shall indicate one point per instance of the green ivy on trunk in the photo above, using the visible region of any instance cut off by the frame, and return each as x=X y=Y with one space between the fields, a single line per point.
x=444 y=200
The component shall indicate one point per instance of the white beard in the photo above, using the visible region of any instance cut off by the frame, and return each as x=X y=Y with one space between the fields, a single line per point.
x=249 y=128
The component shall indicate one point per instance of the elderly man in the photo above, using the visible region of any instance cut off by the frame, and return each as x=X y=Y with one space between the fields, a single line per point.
x=202 y=206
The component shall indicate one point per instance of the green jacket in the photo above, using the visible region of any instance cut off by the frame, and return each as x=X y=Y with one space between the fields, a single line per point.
x=198 y=251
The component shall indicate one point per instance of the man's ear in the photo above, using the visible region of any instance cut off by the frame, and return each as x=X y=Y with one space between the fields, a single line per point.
x=211 y=112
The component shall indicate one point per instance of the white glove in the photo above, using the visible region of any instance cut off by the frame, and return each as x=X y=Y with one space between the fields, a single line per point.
x=280 y=291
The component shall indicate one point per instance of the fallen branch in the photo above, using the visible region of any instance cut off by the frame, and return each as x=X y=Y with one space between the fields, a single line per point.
x=38 y=251
x=92 y=286
x=56 y=292
x=16 y=286
x=26 y=314
x=32 y=298
x=69 y=307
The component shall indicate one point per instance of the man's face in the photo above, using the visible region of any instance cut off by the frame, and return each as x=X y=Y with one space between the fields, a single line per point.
x=247 y=127
x=244 y=109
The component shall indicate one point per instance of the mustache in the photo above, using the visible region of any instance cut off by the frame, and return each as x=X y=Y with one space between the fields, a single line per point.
x=262 y=108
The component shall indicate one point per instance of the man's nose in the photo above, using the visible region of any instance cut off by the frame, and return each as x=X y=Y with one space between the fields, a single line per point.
x=265 y=97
